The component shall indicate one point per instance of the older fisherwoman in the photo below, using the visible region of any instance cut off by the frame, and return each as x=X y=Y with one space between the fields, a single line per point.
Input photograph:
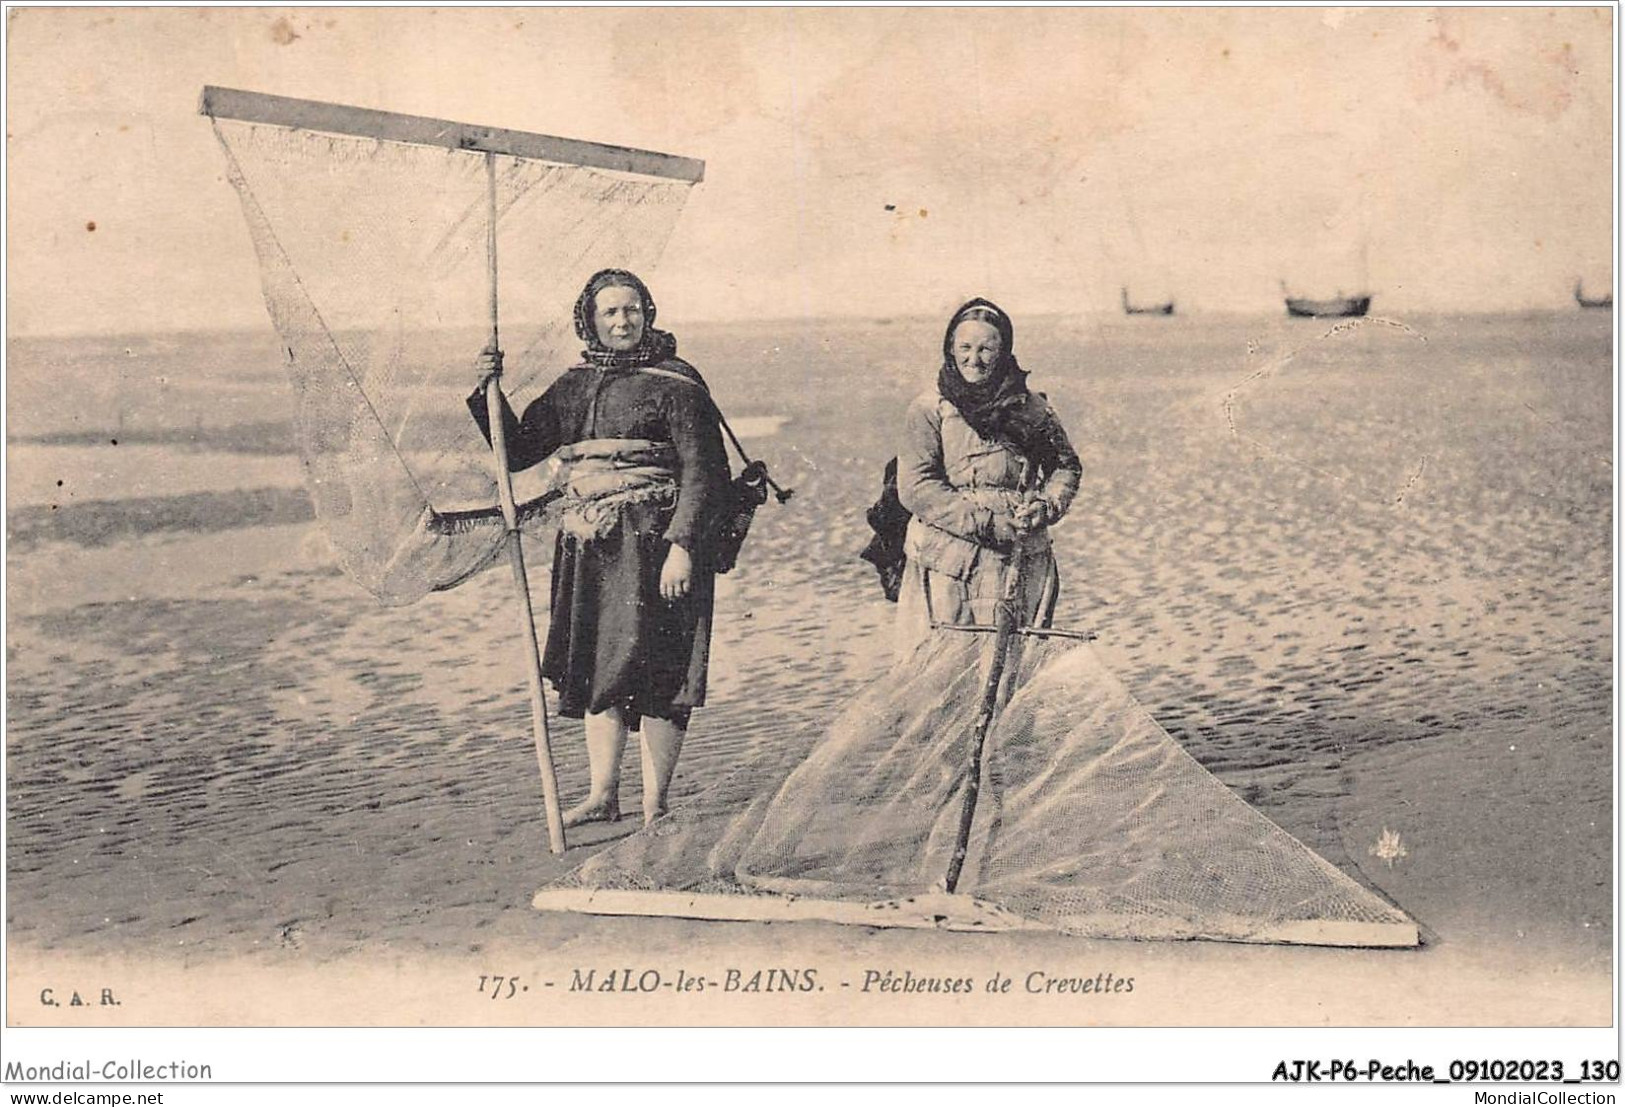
x=643 y=469
x=983 y=460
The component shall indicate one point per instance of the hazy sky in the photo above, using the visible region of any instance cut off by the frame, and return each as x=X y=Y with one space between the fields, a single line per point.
x=1445 y=158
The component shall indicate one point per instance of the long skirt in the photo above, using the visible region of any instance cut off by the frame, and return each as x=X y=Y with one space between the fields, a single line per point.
x=971 y=601
x=612 y=641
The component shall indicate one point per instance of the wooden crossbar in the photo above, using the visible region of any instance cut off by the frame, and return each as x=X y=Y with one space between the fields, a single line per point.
x=1030 y=632
x=342 y=119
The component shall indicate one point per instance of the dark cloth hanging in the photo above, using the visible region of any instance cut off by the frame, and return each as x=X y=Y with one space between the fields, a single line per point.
x=888 y=518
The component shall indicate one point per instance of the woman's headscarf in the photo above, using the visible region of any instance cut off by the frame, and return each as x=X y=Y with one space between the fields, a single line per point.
x=989 y=405
x=653 y=348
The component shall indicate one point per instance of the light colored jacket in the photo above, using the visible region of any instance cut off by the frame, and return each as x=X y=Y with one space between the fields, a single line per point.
x=962 y=488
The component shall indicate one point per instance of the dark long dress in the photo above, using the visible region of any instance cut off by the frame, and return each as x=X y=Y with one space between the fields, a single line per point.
x=612 y=641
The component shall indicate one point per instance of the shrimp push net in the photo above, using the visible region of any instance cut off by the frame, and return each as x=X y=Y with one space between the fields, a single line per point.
x=371 y=233
x=1090 y=818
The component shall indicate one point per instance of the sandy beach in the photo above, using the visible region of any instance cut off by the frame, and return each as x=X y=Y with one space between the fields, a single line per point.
x=1361 y=571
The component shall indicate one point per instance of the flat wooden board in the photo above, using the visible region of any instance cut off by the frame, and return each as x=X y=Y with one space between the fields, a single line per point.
x=342 y=119
x=942 y=911
x=931 y=912
x=1396 y=933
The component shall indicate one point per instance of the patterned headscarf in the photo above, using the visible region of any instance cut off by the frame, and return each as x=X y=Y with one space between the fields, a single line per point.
x=988 y=405
x=652 y=349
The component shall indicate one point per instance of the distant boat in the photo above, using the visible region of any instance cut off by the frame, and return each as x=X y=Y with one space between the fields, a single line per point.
x=1164 y=308
x=1338 y=307
x=1606 y=300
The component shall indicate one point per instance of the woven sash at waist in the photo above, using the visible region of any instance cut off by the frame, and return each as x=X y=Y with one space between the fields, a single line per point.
x=623 y=451
x=600 y=476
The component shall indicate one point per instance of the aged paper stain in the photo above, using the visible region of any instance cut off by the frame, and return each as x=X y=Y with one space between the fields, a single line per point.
x=1512 y=64
x=282 y=32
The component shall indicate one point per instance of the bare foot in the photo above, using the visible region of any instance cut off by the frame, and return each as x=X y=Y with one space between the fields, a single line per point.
x=652 y=813
x=591 y=810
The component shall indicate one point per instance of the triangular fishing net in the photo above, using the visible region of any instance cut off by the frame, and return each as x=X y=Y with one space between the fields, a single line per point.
x=373 y=260
x=1091 y=820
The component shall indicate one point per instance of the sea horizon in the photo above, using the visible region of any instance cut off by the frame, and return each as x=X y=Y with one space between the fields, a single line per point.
x=249 y=330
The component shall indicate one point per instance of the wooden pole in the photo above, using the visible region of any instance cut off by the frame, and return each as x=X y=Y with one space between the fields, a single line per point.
x=516 y=553
x=1005 y=621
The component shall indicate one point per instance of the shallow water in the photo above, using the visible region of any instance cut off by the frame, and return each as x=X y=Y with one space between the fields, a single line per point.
x=1348 y=566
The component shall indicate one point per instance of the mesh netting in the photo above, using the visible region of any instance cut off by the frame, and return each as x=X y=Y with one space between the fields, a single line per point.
x=1090 y=819
x=373 y=263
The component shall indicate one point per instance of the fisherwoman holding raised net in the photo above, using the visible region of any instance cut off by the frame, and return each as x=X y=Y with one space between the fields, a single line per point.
x=983 y=460
x=642 y=466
